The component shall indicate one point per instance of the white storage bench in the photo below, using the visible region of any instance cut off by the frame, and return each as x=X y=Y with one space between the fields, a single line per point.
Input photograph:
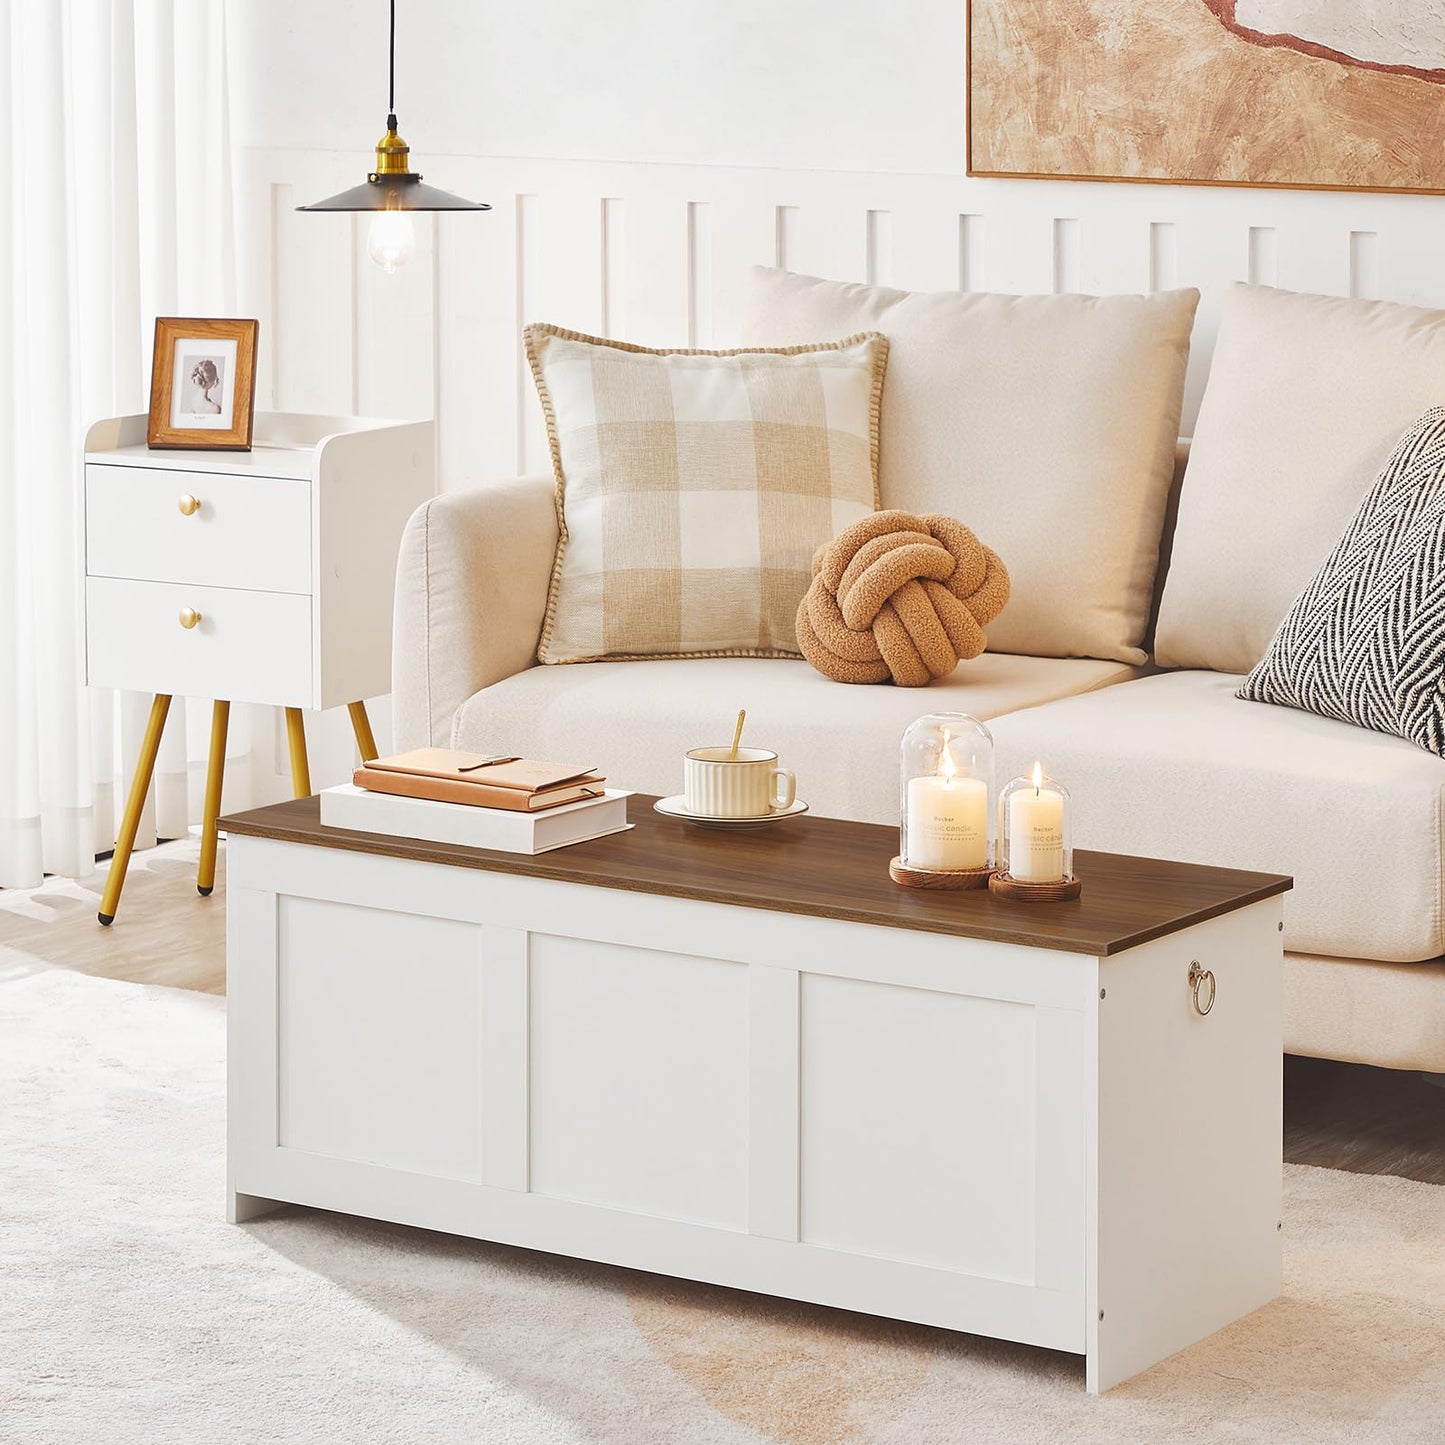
x=756 y=1061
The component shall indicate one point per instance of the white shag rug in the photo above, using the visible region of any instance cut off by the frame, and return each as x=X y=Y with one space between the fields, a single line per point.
x=131 y=1312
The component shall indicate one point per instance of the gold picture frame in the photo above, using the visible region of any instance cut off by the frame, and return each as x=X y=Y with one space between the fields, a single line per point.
x=203 y=384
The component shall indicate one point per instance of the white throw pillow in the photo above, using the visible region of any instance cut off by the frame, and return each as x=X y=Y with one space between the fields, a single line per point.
x=1306 y=398
x=1047 y=422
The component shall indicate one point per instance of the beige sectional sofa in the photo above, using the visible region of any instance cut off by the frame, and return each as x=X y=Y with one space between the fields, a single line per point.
x=1163 y=761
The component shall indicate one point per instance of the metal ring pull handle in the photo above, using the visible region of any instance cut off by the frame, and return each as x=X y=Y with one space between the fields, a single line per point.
x=1201 y=979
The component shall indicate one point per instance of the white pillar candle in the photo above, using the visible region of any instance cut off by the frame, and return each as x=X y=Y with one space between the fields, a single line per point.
x=947 y=823
x=1036 y=833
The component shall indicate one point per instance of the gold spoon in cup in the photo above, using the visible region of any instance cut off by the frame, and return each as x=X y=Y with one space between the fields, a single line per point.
x=737 y=736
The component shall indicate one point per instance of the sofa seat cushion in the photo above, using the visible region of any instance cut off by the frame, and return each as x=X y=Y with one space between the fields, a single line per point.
x=1365 y=1012
x=635 y=720
x=1176 y=766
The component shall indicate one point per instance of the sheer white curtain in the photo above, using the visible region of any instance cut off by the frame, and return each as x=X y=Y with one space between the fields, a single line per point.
x=116 y=207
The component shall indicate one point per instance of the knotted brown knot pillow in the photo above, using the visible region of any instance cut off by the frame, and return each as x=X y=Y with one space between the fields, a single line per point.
x=900 y=596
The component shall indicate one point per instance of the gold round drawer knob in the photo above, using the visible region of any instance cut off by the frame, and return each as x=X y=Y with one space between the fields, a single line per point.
x=188 y=504
x=189 y=617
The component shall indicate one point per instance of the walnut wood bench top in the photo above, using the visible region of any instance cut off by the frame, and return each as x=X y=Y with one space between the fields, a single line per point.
x=825 y=868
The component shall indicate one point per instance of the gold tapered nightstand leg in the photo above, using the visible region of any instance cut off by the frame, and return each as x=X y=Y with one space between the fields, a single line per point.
x=300 y=768
x=215 y=774
x=361 y=726
x=145 y=765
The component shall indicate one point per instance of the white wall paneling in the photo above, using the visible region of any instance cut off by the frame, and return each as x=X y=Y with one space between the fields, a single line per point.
x=657 y=254
x=1364 y=264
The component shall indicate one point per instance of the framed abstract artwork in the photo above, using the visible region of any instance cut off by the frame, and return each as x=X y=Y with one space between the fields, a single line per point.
x=1314 y=94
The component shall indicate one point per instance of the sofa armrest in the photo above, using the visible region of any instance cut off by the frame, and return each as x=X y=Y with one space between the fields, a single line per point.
x=471 y=592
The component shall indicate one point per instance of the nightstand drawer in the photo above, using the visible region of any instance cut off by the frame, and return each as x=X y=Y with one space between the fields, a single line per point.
x=254 y=646
x=252 y=532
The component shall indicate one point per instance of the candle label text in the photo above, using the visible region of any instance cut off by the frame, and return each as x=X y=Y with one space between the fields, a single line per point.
x=948 y=828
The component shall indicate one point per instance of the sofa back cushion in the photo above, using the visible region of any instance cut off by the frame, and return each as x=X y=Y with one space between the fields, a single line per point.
x=1048 y=423
x=1306 y=398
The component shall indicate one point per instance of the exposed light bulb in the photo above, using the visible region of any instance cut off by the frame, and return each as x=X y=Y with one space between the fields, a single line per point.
x=392 y=240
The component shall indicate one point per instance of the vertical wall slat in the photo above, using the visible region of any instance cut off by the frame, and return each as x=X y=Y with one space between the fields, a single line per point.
x=1114 y=248
x=972 y=257
x=1364 y=264
x=656 y=270
x=744 y=235
x=788 y=248
x=1210 y=258
x=834 y=236
x=699 y=274
x=1020 y=257
x=1411 y=248
x=614 y=275
x=566 y=288
x=477 y=347
x=1163 y=256
x=878 y=267
x=923 y=240
x=395 y=314
x=1068 y=247
x=315 y=319
x=526 y=300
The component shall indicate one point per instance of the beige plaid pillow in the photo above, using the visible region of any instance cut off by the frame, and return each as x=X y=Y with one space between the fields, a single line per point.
x=693 y=488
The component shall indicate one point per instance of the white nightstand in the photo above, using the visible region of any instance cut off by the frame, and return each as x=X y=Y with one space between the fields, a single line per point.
x=263 y=576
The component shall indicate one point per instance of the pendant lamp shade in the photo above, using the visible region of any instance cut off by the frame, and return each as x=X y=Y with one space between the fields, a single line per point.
x=393 y=187
x=385 y=194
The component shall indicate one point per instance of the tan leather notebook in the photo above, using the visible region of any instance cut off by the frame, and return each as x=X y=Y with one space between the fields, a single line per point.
x=518 y=784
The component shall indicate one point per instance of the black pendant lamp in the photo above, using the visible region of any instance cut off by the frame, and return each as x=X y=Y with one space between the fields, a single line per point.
x=393 y=190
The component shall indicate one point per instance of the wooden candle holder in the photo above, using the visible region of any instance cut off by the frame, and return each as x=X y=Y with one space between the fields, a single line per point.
x=954 y=878
x=1003 y=885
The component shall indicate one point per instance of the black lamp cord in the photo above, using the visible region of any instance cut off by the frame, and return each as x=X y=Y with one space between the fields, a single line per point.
x=391 y=74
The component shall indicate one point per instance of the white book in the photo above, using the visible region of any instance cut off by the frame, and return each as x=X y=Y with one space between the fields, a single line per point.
x=466 y=826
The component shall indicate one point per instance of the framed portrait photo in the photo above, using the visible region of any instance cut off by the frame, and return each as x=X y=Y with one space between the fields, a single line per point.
x=203 y=384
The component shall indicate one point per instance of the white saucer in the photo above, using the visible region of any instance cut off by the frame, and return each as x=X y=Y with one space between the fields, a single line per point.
x=677 y=808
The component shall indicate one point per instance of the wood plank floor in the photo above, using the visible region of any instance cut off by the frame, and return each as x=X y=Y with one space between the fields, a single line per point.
x=1337 y=1116
x=1368 y=1121
x=164 y=932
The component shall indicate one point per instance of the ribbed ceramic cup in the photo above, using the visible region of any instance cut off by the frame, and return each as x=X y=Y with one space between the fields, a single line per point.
x=752 y=785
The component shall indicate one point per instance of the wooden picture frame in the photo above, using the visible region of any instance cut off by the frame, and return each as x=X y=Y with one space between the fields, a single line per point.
x=203 y=384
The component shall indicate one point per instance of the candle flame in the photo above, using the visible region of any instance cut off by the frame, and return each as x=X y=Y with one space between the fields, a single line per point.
x=1038 y=776
x=947 y=768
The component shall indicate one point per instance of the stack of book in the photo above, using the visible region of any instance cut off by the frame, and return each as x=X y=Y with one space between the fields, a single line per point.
x=508 y=803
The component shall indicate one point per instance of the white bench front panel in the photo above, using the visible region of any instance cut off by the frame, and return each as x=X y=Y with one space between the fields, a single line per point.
x=638 y=1080
x=379 y=1037
x=854 y=1125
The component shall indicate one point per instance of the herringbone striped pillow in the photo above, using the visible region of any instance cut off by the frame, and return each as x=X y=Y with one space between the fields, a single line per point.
x=693 y=488
x=1365 y=641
